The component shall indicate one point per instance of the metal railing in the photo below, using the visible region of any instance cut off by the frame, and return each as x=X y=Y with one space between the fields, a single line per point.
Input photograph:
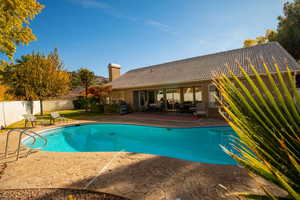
x=22 y=132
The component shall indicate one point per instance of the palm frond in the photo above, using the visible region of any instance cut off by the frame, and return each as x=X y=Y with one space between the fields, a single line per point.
x=264 y=111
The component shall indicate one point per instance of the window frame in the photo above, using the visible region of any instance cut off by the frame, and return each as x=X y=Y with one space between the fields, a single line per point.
x=212 y=104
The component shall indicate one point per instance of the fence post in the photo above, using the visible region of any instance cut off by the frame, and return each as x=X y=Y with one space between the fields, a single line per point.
x=2 y=115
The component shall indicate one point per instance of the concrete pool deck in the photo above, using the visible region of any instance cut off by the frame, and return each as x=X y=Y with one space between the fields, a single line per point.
x=132 y=175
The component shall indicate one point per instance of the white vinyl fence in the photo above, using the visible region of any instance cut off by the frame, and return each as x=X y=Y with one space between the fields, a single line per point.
x=13 y=111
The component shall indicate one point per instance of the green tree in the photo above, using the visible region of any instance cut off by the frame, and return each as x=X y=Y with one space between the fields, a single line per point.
x=36 y=76
x=15 y=16
x=75 y=80
x=264 y=112
x=288 y=30
x=86 y=78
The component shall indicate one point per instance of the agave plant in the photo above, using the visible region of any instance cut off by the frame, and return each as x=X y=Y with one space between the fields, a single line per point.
x=264 y=111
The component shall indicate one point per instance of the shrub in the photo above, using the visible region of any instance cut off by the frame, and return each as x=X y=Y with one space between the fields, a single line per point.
x=80 y=103
x=112 y=108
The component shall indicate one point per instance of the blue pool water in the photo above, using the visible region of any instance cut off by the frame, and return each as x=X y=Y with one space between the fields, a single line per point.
x=201 y=144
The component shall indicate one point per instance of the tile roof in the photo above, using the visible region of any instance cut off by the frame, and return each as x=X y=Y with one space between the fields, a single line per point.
x=200 y=68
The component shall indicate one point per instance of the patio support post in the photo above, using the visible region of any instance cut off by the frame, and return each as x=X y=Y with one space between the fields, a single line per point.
x=165 y=99
x=205 y=98
x=139 y=97
x=194 y=95
x=181 y=96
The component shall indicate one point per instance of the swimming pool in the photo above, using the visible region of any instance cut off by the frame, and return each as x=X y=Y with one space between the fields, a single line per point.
x=200 y=144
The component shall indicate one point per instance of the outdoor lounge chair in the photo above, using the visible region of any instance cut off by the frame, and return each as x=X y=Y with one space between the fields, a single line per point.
x=200 y=110
x=56 y=116
x=29 y=118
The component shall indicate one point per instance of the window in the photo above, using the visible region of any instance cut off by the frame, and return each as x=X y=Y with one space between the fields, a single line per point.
x=212 y=93
x=188 y=95
x=173 y=99
x=198 y=94
x=151 y=95
x=143 y=98
x=173 y=95
x=159 y=95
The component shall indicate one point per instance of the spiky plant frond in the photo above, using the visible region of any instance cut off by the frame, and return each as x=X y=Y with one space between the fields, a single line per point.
x=264 y=111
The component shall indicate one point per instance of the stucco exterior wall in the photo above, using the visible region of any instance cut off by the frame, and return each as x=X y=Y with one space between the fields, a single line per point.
x=58 y=105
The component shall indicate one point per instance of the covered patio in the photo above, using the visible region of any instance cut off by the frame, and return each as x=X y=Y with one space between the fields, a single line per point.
x=173 y=99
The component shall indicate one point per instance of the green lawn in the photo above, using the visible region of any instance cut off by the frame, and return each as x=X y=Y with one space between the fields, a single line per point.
x=69 y=114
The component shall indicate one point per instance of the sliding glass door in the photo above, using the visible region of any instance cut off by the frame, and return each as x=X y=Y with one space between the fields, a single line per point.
x=173 y=99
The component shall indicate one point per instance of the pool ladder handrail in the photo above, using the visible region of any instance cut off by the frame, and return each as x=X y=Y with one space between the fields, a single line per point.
x=27 y=132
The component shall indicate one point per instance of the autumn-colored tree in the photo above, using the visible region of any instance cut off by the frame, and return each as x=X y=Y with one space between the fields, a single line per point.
x=269 y=37
x=2 y=92
x=3 y=88
x=15 y=16
x=36 y=76
x=100 y=92
x=4 y=95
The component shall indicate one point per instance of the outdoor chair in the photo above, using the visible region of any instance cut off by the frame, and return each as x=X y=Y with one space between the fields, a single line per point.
x=56 y=116
x=29 y=118
x=200 y=110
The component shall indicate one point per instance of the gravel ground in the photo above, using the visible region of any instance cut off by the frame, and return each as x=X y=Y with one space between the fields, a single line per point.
x=55 y=194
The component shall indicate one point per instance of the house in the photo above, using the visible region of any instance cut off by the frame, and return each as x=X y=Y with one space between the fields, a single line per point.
x=180 y=84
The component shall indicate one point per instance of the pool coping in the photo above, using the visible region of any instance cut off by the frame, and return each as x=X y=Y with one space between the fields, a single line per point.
x=40 y=132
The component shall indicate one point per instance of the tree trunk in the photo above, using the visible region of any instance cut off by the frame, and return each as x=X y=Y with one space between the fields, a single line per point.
x=86 y=99
x=31 y=107
x=41 y=106
x=86 y=90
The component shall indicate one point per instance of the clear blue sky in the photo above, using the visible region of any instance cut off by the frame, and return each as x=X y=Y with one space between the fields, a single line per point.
x=137 y=33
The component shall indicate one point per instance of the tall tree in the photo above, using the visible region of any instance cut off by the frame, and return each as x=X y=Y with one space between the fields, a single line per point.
x=288 y=30
x=75 y=80
x=15 y=16
x=36 y=76
x=86 y=78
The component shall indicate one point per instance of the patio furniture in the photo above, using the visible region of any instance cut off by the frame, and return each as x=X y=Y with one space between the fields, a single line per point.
x=154 y=107
x=56 y=116
x=29 y=118
x=186 y=107
x=124 y=109
x=200 y=110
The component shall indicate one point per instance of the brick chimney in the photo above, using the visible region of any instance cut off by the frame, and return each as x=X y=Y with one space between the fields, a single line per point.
x=114 y=71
